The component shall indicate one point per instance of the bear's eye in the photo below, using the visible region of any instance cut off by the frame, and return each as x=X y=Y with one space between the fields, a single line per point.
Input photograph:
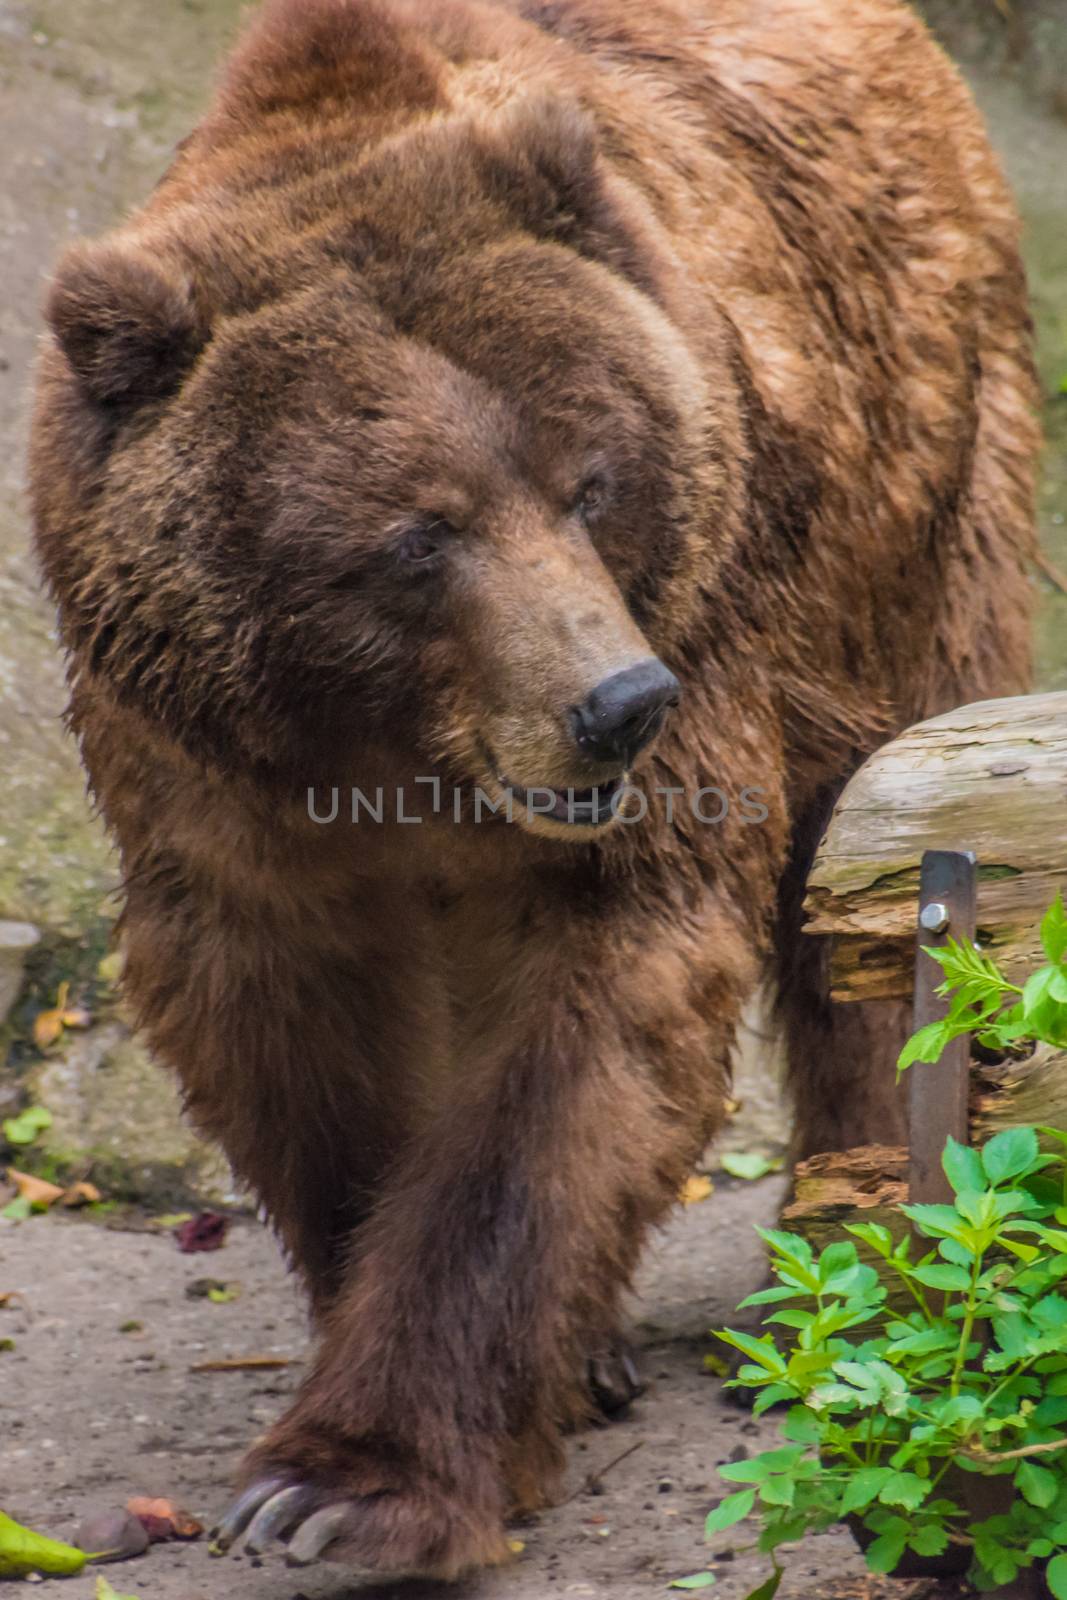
x=425 y=541
x=592 y=498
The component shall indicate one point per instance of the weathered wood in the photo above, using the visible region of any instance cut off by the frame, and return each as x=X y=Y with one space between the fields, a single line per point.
x=1019 y=1092
x=865 y=1184
x=868 y=1182
x=991 y=778
x=868 y=1177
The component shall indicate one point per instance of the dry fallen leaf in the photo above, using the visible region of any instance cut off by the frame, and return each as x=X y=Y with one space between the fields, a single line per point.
x=161 y=1519
x=80 y=1194
x=48 y=1025
x=204 y=1232
x=38 y=1191
x=695 y=1189
x=243 y=1364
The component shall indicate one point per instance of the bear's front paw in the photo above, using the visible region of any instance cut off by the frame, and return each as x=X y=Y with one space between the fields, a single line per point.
x=367 y=1516
x=614 y=1378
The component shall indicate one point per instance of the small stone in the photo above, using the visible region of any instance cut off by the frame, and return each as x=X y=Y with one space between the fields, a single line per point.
x=112 y=1535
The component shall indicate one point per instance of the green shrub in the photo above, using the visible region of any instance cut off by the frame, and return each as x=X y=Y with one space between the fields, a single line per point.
x=891 y=1411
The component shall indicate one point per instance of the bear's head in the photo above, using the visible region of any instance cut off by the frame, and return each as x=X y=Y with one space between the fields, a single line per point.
x=403 y=461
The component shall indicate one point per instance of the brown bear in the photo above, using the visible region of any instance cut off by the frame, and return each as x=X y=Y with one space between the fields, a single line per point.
x=614 y=411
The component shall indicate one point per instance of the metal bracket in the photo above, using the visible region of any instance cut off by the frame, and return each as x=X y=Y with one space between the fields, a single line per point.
x=938 y=1095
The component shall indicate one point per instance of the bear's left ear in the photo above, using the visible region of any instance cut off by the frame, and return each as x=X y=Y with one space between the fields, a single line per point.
x=127 y=323
x=542 y=160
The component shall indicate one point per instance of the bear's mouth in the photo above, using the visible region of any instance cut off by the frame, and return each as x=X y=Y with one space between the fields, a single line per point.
x=576 y=808
x=579 y=808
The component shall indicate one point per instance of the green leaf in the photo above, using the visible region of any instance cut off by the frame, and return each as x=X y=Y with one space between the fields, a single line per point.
x=943 y=1277
x=926 y=1044
x=963 y=1167
x=22 y=1551
x=17 y=1210
x=955 y=1408
x=1037 y=1484
x=762 y=1466
x=885 y=1553
x=839 y=1397
x=772 y=1395
x=792 y=1318
x=936 y=1221
x=1025 y=1252
x=1051 y=1411
x=767 y=1297
x=698 y=1580
x=931 y=1540
x=1056 y=1576
x=836 y=1258
x=904 y=1489
x=780 y=1490
x=862 y=1487
x=801 y=1426
x=1054 y=931
x=873 y=1234
x=104 y=1591
x=762 y=1351
x=25 y=1128
x=790 y=1245
x=1050 y=1311
x=1042 y=1012
x=768 y=1589
x=1009 y=1154
x=749 y=1164
x=734 y=1508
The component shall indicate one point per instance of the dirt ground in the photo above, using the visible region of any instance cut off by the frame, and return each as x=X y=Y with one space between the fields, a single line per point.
x=92 y=1415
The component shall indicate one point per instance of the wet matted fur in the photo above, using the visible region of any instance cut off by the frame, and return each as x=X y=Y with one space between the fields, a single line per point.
x=467 y=354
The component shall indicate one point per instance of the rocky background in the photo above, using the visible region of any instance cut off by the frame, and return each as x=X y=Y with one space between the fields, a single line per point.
x=93 y=95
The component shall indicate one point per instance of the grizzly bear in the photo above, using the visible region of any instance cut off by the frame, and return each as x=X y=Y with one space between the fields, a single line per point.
x=520 y=460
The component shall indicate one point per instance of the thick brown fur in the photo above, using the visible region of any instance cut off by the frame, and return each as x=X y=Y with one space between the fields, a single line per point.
x=692 y=328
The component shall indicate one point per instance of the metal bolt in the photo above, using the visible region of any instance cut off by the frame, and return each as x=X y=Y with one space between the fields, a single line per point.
x=934 y=917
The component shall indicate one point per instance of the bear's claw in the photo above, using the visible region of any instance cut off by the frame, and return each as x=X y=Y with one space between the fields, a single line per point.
x=273 y=1509
x=240 y=1512
x=277 y=1516
x=315 y=1536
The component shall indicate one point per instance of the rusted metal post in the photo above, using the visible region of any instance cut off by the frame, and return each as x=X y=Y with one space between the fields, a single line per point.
x=937 y=1105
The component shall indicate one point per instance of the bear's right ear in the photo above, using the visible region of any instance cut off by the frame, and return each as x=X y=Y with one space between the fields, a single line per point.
x=127 y=324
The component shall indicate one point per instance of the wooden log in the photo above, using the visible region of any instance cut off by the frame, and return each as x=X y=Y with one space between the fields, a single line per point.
x=838 y=1183
x=865 y=1184
x=1018 y=1092
x=991 y=778
x=869 y=1182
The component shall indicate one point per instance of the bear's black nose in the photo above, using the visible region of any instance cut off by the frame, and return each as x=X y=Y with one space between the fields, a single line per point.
x=624 y=712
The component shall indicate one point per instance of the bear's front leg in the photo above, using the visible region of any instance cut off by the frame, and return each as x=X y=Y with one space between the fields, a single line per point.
x=452 y=1358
